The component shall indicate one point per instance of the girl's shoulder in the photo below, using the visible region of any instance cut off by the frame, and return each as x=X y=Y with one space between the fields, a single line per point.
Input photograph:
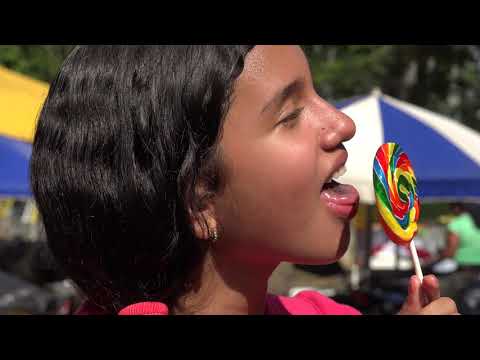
x=304 y=303
x=142 y=308
x=307 y=303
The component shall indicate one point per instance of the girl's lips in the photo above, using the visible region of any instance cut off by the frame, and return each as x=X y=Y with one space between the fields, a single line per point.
x=341 y=199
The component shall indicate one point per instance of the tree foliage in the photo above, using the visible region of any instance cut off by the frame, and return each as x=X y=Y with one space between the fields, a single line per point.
x=39 y=61
x=445 y=79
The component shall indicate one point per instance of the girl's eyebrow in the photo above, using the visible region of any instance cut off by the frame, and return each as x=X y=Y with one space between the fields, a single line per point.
x=284 y=94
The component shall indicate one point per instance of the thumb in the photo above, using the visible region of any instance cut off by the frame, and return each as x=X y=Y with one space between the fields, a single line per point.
x=413 y=303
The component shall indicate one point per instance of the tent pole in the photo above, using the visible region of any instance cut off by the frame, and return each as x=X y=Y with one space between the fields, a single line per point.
x=368 y=244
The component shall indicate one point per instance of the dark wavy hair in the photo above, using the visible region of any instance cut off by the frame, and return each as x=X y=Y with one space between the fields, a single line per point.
x=124 y=138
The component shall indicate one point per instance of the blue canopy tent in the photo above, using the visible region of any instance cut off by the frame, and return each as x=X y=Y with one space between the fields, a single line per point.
x=14 y=167
x=444 y=153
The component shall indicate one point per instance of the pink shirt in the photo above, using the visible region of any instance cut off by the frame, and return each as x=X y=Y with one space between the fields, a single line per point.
x=307 y=303
x=304 y=303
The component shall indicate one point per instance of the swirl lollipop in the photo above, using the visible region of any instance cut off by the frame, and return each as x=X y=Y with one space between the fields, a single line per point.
x=396 y=197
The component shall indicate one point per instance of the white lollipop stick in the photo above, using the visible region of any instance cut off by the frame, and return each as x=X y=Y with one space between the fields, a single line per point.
x=416 y=262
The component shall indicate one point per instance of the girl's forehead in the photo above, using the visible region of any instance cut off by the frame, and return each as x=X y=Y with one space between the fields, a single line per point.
x=267 y=70
x=268 y=58
x=255 y=62
x=275 y=64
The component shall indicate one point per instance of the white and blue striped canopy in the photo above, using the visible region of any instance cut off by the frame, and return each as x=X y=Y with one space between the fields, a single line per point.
x=444 y=153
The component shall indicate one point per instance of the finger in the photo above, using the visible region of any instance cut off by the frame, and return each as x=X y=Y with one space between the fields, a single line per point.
x=431 y=288
x=441 y=306
x=413 y=303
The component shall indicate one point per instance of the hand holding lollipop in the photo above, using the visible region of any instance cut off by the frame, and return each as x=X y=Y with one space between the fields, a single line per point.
x=397 y=198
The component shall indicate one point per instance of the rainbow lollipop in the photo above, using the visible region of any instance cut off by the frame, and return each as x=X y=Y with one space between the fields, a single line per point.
x=396 y=197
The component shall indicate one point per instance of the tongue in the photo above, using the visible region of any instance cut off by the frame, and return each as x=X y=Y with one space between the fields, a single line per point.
x=340 y=194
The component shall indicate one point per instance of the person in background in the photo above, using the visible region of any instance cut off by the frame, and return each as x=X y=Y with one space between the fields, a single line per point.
x=460 y=259
x=463 y=238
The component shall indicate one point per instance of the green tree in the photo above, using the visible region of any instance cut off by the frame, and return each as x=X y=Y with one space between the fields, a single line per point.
x=445 y=79
x=38 y=61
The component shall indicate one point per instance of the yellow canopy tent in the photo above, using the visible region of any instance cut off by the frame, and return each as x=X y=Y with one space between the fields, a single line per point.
x=21 y=99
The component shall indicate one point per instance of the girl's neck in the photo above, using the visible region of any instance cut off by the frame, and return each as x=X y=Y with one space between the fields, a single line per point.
x=225 y=287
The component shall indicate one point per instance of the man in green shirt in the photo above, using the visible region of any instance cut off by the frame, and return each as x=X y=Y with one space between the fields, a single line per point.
x=463 y=240
x=462 y=248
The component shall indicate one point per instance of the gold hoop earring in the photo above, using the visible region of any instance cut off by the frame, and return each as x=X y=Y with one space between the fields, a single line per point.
x=215 y=236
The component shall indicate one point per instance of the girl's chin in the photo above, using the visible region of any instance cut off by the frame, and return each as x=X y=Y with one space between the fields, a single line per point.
x=321 y=259
x=318 y=261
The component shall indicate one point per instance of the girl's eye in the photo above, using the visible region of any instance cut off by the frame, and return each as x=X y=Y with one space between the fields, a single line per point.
x=290 y=120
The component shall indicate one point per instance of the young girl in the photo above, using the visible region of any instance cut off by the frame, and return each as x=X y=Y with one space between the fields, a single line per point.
x=175 y=179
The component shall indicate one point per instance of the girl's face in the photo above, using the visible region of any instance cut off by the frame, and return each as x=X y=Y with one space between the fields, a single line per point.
x=281 y=145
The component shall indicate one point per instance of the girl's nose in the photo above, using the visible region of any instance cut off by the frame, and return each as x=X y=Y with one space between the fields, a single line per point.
x=336 y=128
